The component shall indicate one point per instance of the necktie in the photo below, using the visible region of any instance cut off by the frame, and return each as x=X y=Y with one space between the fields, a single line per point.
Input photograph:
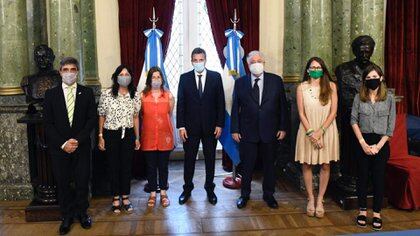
x=70 y=104
x=256 y=90
x=200 y=86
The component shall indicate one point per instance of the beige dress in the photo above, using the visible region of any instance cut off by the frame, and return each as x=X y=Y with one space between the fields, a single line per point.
x=316 y=115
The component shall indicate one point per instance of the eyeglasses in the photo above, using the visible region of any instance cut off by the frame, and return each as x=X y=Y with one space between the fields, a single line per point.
x=315 y=68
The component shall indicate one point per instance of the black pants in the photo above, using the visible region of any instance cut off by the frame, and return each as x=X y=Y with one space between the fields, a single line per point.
x=191 y=150
x=119 y=153
x=70 y=168
x=249 y=153
x=157 y=160
x=375 y=166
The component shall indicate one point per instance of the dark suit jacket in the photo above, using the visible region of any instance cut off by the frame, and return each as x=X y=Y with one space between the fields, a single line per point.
x=257 y=122
x=57 y=125
x=198 y=115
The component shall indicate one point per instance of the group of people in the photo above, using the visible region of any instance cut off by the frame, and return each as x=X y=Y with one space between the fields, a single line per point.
x=132 y=120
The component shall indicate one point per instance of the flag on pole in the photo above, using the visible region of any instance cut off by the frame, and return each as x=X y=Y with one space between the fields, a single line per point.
x=234 y=69
x=153 y=56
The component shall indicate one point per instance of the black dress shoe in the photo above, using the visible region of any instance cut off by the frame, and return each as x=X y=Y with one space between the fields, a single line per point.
x=85 y=221
x=241 y=202
x=271 y=202
x=212 y=197
x=66 y=225
x=184 y=197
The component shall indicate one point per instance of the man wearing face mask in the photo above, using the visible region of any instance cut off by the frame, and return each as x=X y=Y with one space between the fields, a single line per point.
x=69 y=118
x=200 y=117
x=258 y=122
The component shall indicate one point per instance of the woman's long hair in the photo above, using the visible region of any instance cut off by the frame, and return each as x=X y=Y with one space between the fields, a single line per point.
x=116 y=85
x=364 y=90
x=148 y=87
x=326 y=91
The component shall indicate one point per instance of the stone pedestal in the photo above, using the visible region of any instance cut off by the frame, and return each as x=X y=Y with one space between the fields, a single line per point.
x=14 y=160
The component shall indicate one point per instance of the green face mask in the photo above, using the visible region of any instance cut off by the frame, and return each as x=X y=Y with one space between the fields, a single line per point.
x=316 y=74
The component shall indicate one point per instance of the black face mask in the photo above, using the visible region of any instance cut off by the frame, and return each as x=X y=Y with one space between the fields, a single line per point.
x=373 y=84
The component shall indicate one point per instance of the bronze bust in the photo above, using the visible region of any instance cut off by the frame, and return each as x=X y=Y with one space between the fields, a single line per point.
x=349 y=82
x=35 y=85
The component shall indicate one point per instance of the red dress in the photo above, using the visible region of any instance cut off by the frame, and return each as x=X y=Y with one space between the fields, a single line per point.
x=156 y=131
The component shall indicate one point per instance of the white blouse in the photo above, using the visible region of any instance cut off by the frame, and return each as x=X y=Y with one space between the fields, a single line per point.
x=118 y=111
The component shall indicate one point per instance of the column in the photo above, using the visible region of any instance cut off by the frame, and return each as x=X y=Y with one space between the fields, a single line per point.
x=13 y=46
x=36 y=11
x=65 y=31
x=368 y=18
x=292 y=41
x=316 y=31
x=90 y=64
x=341 y=28
x=14 y=178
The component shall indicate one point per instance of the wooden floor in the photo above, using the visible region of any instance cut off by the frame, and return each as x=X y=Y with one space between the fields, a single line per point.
x=199 y=217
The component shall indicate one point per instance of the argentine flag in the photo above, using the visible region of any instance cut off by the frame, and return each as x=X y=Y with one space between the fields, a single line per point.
x=234 y=69
x=153 y=56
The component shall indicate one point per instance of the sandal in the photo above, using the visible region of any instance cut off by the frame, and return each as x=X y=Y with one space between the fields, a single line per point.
x=377 y=223
x=361 y=221
x=116 y=208
x=319 y=211
x=127 y=207
x=164 y=200
x=310 y=208
x=151 y=202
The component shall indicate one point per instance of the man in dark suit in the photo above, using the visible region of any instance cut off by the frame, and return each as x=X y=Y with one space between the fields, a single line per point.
x=258 y=122
x=69 y=117
x=200 y=117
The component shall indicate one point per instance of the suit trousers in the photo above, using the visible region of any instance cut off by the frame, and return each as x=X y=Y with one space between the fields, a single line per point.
x=68 y=169
x=249 y=152
x=191 y=149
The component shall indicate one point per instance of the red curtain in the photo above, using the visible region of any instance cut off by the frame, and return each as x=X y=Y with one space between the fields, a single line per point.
x=220 y=13
x=134 y=19
x=402 y=52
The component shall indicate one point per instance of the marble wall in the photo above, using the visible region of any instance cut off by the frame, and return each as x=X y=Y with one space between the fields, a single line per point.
x=326 y=28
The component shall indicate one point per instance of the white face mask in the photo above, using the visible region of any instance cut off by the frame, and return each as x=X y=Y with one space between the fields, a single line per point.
x=124 y=80
x=69 y=78
x=256 y=68
x=199 y=66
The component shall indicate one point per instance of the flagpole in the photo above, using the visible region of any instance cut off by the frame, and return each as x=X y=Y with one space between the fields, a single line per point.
x=233 y=182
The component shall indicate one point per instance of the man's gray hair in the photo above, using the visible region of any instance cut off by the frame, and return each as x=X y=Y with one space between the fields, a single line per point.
x=252 y=54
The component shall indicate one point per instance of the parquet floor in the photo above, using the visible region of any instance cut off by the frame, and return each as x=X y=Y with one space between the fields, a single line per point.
x=200 y=217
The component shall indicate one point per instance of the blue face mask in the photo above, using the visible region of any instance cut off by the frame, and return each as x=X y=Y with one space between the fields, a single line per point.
x=199 y=66
x=124 y=80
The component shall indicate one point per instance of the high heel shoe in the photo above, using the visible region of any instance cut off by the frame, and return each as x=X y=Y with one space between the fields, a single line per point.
x=319 y=211
x=310 y=208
